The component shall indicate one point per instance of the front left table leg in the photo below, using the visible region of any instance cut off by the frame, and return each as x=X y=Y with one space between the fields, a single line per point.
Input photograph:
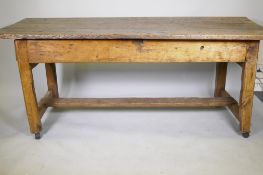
x=27 y=82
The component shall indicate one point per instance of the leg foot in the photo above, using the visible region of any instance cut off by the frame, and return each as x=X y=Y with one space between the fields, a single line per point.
x=245 y=134
x=37 y=136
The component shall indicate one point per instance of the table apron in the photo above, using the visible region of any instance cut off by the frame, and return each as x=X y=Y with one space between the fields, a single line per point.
x=135 y=51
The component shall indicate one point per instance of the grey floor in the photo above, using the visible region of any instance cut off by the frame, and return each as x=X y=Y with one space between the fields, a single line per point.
x=259 y=94
x=123 y=142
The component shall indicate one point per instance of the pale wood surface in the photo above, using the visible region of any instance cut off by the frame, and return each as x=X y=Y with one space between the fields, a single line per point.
x=136 y=51
x=140 y=102
x=27 y=81
x=220 y=83
x=43 y=103
x=234 y=107
x=52 y=79
x=215 y=28
x=138 y=40
x=247 y=87
x=220 y=80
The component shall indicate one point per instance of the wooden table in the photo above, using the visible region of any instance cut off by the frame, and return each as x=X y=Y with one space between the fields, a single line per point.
x=136 y=40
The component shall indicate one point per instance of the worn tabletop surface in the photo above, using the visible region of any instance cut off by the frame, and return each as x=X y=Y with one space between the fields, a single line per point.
x=185 y=28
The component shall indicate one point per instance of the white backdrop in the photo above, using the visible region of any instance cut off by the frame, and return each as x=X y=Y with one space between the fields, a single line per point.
x=93 y=80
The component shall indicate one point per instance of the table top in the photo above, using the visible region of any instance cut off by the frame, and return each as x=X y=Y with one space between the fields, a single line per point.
x=181 y=28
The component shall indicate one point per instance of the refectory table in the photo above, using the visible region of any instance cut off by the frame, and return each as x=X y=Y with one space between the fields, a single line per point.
x=136 y=40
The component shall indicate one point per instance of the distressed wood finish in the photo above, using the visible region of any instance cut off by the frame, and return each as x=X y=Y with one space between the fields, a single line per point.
x=247 y=87
x=28 y=87
x=52 y=79
x=186 y=28
x=44 y=103
x=220 y=82
x=141 y=102
x=135 y=51
x=234 y=107
x=136 y=40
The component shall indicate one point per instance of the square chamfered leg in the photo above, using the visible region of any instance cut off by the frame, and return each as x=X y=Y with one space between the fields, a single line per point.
x=242 y=110
x=52 y=79
x=220 y=81
x=247 y=88
x=220 y=91
x=27 y=82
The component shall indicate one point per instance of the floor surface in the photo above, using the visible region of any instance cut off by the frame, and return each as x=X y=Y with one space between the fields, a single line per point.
x=259 y=94
x=138 y=142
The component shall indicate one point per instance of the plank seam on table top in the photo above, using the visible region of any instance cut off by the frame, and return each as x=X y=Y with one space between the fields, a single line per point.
x=178 y=28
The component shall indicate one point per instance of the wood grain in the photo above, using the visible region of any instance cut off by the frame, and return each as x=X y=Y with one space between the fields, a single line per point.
x=220 y=82
x=135 y=51
x=52 y=79
x=182 y=28
x=140 y=102
x=136 y=40
x=44 y=103
x=234 y=107
x=247 y=87
x=27 y=82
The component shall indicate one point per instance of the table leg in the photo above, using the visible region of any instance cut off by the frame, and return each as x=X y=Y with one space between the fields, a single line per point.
x=220 y=81
x=27 y=82
x=52 y=79
x=247 y=89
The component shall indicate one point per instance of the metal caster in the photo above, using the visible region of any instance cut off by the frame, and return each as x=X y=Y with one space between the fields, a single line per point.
x=245 y=134
x=37 y=136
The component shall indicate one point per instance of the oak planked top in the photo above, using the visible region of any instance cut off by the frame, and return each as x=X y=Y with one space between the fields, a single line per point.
x=182 y=28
